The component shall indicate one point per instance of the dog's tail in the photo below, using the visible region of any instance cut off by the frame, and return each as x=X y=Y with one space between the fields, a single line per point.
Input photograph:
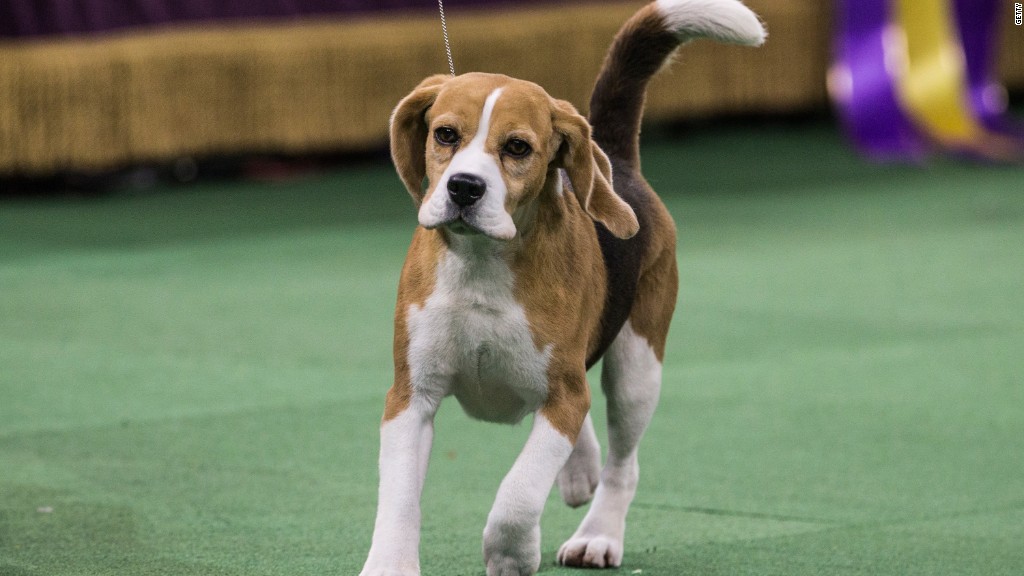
x=642 y=47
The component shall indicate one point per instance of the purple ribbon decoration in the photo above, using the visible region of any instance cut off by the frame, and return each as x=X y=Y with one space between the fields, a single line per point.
x=862 y=84
x=977 y=22
x=862 y=79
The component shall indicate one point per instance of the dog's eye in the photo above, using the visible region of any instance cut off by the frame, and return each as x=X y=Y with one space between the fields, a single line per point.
x=517 y=148
x=446 y=136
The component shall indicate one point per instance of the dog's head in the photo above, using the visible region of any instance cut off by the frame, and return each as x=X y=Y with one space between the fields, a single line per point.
x=488 y=145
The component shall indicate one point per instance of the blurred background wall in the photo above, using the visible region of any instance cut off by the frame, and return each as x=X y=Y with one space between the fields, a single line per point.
x=98 y=84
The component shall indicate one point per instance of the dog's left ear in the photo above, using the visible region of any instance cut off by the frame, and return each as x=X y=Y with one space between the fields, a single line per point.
x=590 y=172
x=409 y=134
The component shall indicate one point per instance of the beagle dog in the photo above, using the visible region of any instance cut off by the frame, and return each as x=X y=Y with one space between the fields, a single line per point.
x=540 y=250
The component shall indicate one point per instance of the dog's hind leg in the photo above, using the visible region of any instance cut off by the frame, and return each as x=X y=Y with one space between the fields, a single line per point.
x=631 y=379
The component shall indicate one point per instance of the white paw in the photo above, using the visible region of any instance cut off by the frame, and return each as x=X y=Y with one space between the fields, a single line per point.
x=578 y=480
x=592 y=552
x=510 y=566
x=388 y=572
x=511 y=552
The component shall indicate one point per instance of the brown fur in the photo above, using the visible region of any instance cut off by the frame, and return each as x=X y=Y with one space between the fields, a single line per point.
x=416 y=284
x=590 y=174
x=659 y=279
x=563 y=298
x=409 y=135
x=655 y=302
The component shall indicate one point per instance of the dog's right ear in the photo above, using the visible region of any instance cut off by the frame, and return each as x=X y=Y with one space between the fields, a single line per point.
x=409 y=134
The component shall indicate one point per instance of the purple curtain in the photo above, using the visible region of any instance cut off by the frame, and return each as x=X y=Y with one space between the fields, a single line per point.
x=19 y=18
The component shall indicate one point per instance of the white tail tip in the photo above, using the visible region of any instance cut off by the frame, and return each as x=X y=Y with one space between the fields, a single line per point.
x=722 y=20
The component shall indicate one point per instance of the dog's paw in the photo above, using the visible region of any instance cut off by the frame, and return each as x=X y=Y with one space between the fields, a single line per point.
x=511 y=551
x=389 y=568
x=577 y=484
x=591 y=552
x=509 y=566
x=387 y=572
x=578 y=478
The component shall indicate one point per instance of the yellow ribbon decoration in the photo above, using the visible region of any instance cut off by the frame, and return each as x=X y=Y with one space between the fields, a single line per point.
x=931 y=78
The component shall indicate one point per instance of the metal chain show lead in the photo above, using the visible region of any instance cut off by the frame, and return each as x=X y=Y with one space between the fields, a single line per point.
x=447 y=45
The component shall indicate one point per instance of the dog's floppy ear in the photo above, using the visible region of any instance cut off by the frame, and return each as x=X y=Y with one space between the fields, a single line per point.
x=409 y=134
x=590 y=172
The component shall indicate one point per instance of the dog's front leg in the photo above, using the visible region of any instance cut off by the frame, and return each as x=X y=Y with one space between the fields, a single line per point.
x=512 y=534
x=405 y=441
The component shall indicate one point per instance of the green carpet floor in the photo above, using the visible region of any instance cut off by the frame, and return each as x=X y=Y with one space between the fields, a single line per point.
x=191 y=379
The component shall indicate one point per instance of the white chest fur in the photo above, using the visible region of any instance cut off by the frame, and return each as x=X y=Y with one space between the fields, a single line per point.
x=471 y=339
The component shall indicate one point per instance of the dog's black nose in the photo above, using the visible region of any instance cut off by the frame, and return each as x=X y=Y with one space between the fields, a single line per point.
x=465 y=189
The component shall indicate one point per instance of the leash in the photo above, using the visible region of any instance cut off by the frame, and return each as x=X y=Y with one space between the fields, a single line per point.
x=444 y=31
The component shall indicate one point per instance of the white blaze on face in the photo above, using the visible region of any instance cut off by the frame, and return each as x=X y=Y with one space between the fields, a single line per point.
x=488 y=214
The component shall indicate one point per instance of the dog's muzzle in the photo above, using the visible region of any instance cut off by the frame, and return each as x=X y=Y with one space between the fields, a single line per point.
x=469 y=203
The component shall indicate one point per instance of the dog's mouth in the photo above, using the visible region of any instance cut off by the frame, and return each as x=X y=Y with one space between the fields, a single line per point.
x=469 y=224
x=469 y=221
x=462 y=227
